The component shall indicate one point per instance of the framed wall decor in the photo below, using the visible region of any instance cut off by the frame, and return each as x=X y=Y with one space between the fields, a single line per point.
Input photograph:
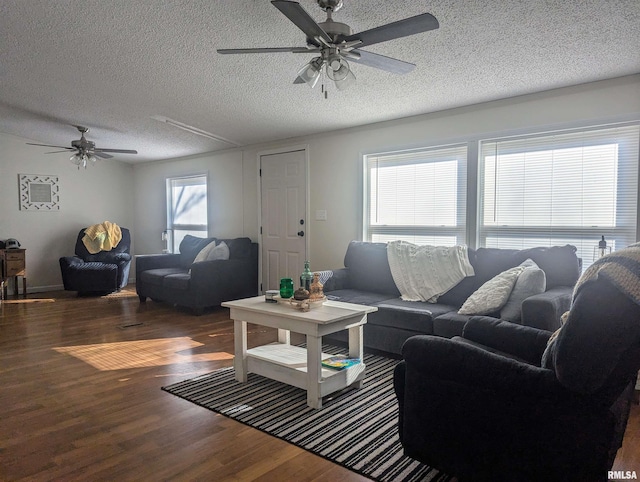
x=39 y=192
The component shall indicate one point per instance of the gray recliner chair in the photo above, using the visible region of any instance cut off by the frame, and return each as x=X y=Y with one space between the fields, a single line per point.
x=101 y=273
x=513 y=403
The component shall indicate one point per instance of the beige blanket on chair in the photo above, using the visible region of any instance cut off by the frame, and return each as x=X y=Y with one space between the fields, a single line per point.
x=102 y=237
x=422 y=273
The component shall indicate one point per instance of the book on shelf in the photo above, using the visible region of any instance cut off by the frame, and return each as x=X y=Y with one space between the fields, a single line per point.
x=340 y=362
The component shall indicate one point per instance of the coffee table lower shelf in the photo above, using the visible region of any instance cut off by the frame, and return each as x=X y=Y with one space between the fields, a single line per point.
x=288 y=364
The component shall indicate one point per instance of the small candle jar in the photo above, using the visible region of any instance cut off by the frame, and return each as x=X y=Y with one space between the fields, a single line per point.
x=286 y=288
x=270 y=296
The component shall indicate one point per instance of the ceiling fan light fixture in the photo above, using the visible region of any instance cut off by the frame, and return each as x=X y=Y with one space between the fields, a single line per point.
x=81 y=159
x=310 y=72
x=76 y=159
x=347 y=81
x=337 y=68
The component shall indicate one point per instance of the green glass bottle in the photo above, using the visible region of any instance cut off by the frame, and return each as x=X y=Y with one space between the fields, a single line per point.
x=306 y=277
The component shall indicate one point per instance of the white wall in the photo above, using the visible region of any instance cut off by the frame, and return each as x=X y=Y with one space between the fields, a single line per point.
x=225 y=197
x=87 y=196
x=336 y=158
x=134 y=196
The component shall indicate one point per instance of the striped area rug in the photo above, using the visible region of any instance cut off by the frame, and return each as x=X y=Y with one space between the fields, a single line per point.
x=356 y=429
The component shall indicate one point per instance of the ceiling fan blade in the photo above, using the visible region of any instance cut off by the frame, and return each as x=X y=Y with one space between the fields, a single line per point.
x=102 y=155
x=295 y=50
x=56 y=152
x=299 y=16
x=381 y=62
x=49 y=145
x=120 y=151
x=401 y=28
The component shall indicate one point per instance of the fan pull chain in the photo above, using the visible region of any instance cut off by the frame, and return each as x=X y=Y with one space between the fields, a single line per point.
x=322 y=87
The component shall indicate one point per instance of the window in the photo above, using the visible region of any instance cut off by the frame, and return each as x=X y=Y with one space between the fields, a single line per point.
x=570 y=187
x=418 y=196
x=186 y=209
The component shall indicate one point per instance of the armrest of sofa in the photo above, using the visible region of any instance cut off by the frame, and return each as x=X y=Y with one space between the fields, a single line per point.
x=544 y=310
x=522 y=341
x=225 y=279
x=155 y=261
x=339 y=280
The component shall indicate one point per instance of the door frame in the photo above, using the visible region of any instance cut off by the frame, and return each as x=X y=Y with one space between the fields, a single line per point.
x=283 y=150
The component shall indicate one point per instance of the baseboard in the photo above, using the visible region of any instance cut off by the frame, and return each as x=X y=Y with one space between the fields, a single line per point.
x=44 y=289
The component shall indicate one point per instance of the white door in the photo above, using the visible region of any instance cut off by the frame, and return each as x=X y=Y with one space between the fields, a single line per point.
x=284 y=225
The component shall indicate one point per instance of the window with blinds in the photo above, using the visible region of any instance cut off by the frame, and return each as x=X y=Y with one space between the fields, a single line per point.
x=570 y=187
x=418 y=196
x=186 y=209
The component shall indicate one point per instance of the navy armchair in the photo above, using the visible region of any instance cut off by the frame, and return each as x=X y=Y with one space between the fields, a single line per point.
x=101 y=273
x=500 y=403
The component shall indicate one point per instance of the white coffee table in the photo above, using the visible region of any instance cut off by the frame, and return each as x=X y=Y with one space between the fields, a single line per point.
x=294 y=365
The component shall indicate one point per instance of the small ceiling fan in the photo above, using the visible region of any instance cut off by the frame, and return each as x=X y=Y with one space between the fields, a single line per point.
x=335 y=43
x=86 y=151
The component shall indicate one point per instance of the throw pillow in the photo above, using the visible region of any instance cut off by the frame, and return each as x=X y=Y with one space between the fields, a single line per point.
x=492 y=295
x=532 y=281
x=211 y=252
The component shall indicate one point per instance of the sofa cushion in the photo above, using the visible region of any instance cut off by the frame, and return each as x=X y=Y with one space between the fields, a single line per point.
x=531 y=282
x=190 y=246
x=369 y=268
x=358 y=297
x=457 y=295
x=493 y=294
x=156 y=276
x=559 y=263
x=238 y=248
x=177 y=281
x=414 y=316
x=450 y=324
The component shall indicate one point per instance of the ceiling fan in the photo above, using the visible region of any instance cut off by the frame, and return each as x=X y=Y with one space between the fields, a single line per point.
x=86 y=151
x=335 y=43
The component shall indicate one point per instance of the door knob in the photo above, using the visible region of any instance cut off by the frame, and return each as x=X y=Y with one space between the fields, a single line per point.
x=301 y=233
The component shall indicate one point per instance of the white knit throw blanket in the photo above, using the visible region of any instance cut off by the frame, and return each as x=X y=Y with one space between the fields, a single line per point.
x=423 y=273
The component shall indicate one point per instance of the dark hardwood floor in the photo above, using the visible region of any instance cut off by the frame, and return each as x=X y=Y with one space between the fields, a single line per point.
x=80 y=397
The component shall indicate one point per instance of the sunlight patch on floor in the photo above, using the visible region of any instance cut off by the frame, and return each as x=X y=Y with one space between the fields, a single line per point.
x=141 y=353
x=124 y=293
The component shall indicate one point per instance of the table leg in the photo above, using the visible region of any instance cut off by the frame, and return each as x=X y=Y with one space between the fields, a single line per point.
x=284 y=336
x=24 y=287
x=356 y=344
x=314 y=371
x=240 y=351
x=15 y=286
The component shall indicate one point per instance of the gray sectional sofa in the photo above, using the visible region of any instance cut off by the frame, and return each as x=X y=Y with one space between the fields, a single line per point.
x=366 y=279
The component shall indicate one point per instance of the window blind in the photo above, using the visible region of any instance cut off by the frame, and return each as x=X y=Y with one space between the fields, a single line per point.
x=417 y=196
x=569 y=187
x=186 y=208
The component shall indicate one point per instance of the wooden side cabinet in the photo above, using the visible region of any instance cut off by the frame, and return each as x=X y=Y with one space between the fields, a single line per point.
x=14 y=264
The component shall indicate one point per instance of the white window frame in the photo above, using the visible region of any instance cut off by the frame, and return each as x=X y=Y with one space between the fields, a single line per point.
x=623 y=172
x=172 y=234
x=457 y=230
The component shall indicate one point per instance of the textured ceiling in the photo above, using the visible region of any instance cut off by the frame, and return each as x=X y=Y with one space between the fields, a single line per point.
x=114 y=65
